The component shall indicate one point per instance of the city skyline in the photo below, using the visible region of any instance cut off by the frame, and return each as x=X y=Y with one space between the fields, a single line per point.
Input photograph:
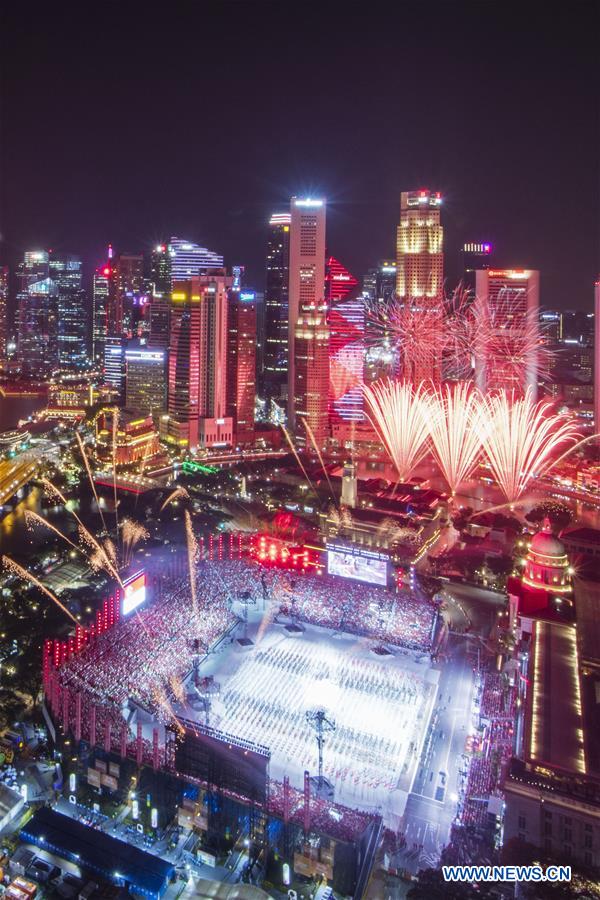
x=513 y=162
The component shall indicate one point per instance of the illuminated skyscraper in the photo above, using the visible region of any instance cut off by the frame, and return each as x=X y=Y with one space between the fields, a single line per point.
x=189 y=259
x=346 y=319
x=3 y=312
x=114 y=363
x=197 y=385
x=311 y=373
x=160 y=286
x=103 y=285
x=38 y=315
x=126 y=314
x=306 y=289
x=145 y=383
x=476 y=256
x=597 y=355
x=275 y=364
x=505 y=357
x=66 y=273
x=241 y=361
x=380 y=282
x=420 y=277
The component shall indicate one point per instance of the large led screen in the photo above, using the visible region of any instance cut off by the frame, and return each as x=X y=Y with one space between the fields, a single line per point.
x=134 y=593
x=353 y=565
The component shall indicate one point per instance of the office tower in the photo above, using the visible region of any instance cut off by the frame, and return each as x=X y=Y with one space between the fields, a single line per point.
x=597 y=356
x=127 y=312
x=114 y=362
x=306 y=283
x=197 y=385
x=346 y=319
x=275 y=357
x=145 y=380
x=160 y=300
x=66 y=273
x=311 y=374
x=189 y=259
x=241 y=361
x=37 y=298
x=3 y=312
x=420 y=282
x=379 y=283
x=102 y=287
x=476 y=256
x=551 y=325
x=506 y=355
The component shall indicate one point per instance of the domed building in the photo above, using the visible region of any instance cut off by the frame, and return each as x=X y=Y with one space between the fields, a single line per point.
x=547 y=564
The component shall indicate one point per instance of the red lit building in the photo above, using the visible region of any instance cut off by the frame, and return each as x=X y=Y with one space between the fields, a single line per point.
x=136 y=438
x=241 y=362
x=346 y=319
x=197 y=385
x=311 y=375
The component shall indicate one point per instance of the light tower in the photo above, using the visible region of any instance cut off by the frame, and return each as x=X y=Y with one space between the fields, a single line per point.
x=318 y=720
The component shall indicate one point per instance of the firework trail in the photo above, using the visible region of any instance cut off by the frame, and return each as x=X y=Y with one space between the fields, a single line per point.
x=398 y=413
x=454 y=412
x=89 y=473
x=522 y=439
x=298 y=460
x=131 y=534
x=268 y=617
x=192 y=552
x=31 y=517
x=115 y=425
x=14 y=567
x=100 y=558
x=175 y=495
x=177 y=687
x=162 y=701
x=309 y=431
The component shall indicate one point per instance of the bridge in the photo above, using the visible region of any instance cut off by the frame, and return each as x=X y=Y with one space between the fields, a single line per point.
x=14 y=475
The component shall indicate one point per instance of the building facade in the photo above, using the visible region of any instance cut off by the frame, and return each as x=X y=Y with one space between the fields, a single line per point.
x=241 y=361
x=145 y=380
x=274 y=374
x=37 y=298
x=311 y=375
x=420 y=280
x=346 y=319
x=3 y=312
x=306 y=295
x=66 y=272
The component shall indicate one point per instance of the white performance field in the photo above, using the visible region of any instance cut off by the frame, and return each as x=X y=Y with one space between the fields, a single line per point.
x=381 y=708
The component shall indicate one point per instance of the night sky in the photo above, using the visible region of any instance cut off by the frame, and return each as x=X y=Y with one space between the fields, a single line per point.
x=128 y=122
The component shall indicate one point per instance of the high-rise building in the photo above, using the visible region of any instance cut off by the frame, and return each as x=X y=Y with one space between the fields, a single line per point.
x=511 y=301
x=241 y=361
x=66 y=273
x=275 y=356
x=160 y=300
x=130 y=296
x=114 y=363
x=379 y=283
x=103 y=287
x=197 y=385
x=189 y=260
x=145 y=380
x=597 y=356
x=476 y=256
x=346 y=319
x=38 y=315
x=306 y=288
x=420 y=279
x=311 y=374
x=3 y=312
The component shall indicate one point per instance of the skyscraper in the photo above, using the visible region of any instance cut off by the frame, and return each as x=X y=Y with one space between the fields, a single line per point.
x=476 y=256
x=275 y=358
x=506 y=355
x=306 y=289
x=114 y=363
x=160 y=300
x=311 y=373
x=38 y=315
x=241 y=361
x=346 y=319
x=126 y=313
x=420 y=279
x=67 y=275
x=197 y=386
x=3 y=312
x=103 y=286
x=189 y=259
x=145 y=383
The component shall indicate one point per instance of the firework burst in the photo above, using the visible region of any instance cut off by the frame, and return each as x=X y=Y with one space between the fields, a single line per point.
x=522 y=439
x=454 y=413
x=398 y=413
x=132 y=533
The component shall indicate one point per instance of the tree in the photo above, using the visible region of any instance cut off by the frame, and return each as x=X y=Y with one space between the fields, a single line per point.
x=560 y=515
x=462 y=518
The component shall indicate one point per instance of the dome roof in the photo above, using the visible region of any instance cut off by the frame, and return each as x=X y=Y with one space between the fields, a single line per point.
x=544 y=543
